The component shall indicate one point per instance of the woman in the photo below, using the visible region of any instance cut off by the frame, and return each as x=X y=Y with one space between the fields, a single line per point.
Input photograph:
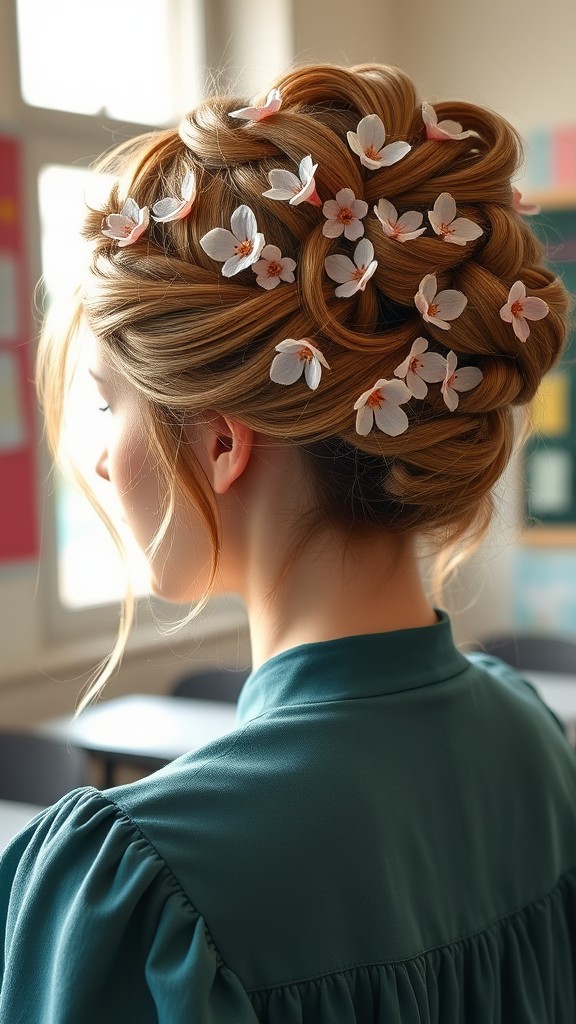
x=313 y=318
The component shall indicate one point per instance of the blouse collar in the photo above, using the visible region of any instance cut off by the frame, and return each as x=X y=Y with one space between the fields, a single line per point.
x=365 y=665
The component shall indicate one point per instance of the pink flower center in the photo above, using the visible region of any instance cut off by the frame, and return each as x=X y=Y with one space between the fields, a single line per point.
x=127 y=229
x=516 y=308
x=345 y=215
x=274 y=268
x=375 y=399
x=359 y=273
x=433 y=309
x=371 y=153
x=415 y=365
x=244 y=248
x=445 y=229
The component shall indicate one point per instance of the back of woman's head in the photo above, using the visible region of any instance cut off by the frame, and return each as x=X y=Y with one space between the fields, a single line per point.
x=190 y=338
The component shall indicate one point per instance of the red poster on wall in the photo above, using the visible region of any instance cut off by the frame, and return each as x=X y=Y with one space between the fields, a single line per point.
x=18 y=505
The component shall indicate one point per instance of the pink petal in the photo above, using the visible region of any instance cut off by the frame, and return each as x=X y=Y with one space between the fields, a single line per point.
x=386 y=213
x=168 y=209
x=394 y=152
x=271 y=106
x=368 y=273
x=345 y=197
x=451 y=398
x=286 y=368
x=434 y=132
x=428 y=287
x=271 y=252
x=219 y=244
x=521 y=328
x=332 y=228
x=339 y=268
x=410 y=221
x=188 y=186
x=346 y=290
x=442 y=324
x=363 y=253
x=429 y=115
x=421 y=304
x=444 y=209
x=331 y=209
x=464 y=230
x=391 y=419
x=466 y=378
x=364 y=419
x=418 y=347
x=506 y=313
x=416 y=385
x=534 y=308
x=135 y=233
x=434 y=368
x=353 y=230
x=354 y=144
x=402 y=369
x=395 y=391
x=450 y=303
x=267 y=282
x=517 y=291
x=454 y=129
x=290 y=345
x=287 y=272
x=307 y=194
x=307 y=169
x=408 y=236
x=359 y=208
x=284 y=184
x=131 y=210
x=371 y=133
x=451 y=364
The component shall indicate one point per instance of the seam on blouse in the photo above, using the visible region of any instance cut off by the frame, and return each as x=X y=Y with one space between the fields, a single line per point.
x=498 y=922
x=128 y=820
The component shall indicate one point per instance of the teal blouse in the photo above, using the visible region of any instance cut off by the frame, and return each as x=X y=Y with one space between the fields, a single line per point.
x=389 y=835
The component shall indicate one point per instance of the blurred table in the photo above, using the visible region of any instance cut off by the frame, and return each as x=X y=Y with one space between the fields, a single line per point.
x=558 y=691
x=143 y=730
x=13 y=818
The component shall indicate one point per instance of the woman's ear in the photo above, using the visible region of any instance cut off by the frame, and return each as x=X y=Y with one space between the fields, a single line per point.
x=229 y=446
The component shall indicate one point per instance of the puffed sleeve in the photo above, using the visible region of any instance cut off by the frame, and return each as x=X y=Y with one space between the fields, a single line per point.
x=94 y=927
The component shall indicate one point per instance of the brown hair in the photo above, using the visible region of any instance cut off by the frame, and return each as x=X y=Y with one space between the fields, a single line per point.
x=189 y=339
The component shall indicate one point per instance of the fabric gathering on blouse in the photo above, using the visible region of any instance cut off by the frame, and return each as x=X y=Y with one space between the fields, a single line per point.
x=387 y=836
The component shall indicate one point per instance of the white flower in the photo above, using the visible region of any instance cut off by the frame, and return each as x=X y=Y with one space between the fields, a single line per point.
x=273 y=268
x=528 y=209
x=382 y=403
x=174 y=209
x=368 y=143
x=403 y=228
x=519 y=309
x=442 y=129
x=464 y=379
x=294 y=358
x=240 y=248
x=296 y=190
x=272 y=104
x=420 y=366
x=344 y=214
x=442 y=218
x=438 y=308
x=353 y=276
x=127 y=226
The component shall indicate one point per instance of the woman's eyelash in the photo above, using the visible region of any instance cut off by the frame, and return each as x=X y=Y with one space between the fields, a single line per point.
x=103 y=408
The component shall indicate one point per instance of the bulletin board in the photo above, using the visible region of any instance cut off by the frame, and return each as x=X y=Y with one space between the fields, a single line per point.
x=550 y=454
x=18 y=505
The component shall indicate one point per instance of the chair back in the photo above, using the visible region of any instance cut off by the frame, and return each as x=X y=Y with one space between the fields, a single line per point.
x=214 y=684
x=533 y=652
x=38 y=770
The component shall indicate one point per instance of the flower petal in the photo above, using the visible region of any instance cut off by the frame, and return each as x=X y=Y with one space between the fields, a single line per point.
x=451 y=398
x=353 y=230
x=288 y=268
x=346 y=290
x=286 y=368
x=359 y=208
x=371 y=133
x=416 y=385
x=284 y=184
x=313 y=373
x=450 y=303
x=466 y=378
x=363 y=253
x=168 y=209
x=534 y=308
x=339 y=268
x=393 y=153
x=428 y=287
x=332 y=228
x=267 y=282
x=345 y=197
x=391 y=419
x=434 y=367
x=331 y=208
x=506 y=313
x=368 y=273
x=402 y=369
x=271 y=106
x=444 y=209
x=219 y=244
x=463 y=230
x=517 y=291
x=243 y=223
x=364 y=420
x=131 y=210
x=521 y=328
x=429 y=115
x=271 y=252
x=387 y=214
x=410 y=220
x=307 y=168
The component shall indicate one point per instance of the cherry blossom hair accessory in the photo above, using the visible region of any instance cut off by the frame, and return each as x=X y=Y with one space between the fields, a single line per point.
x=127 y=226
x=271 y=106
x=368 y=143
x=273 y=268
x=382 y=403
x=239 y=248
x=353 y=277
x=344 y=214
x=420 y=366
x=450 y=228
x=402 y=228
x=519 y=309
x=528 y=209
x=175 y=209
x=464 y=379
x=294 y=358
x=296 y=190
x=441 y=129
x=438 y=307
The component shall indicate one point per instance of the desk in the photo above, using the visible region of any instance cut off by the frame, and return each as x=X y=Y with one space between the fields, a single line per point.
x=558 y=691
x=149 y=731
x=13 y=818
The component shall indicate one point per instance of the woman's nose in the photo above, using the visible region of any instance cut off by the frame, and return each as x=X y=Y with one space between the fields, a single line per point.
x=102 y=466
